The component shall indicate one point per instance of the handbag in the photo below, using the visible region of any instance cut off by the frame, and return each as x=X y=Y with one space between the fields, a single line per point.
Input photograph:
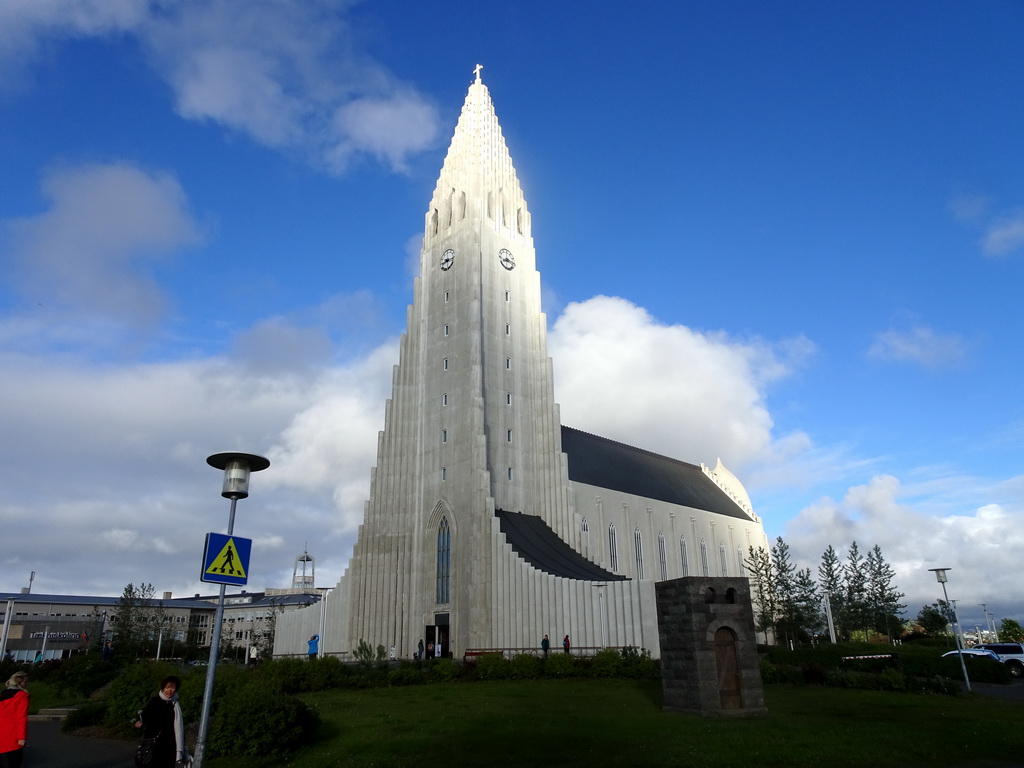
x=144 y=752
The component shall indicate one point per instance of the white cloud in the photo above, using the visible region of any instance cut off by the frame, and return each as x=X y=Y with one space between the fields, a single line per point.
x=288 y=75
x=92 y=251
x=693 y=396
x=1005 y=235
x=921 y=345
x=916 y=531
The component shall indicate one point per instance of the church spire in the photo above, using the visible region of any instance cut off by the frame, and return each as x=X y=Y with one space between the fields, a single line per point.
x=478 y=180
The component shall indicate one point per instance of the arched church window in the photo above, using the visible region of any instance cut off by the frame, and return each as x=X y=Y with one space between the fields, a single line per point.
x=490 y=206
x=721 y=557
x=448 y=208
x=585 y=537
x=704 y=558
x=638 y=545
x=662 y=557
x=739 y=561
x=462 y=206
x=519 y=220
x=433 y=221
x=682 y=556
x=444 y=561
x=613 y=552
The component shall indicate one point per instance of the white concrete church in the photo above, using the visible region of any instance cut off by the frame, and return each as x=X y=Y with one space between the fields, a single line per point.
x=489 y=523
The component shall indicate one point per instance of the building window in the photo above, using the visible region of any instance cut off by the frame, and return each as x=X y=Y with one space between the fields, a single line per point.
x=508 y=398
x=510 y=473
x=613 y=552
x=444 y=399
x=444 y=473
x=444 y=435
x=739 y=561
x=446 y=329
x=446 y=363
x=585 y=537
x=508 y=329
x=704 y=558
x=444 y=561
x=446 y=297
x=638 y=545
x=508 y=435
x=508 y=363
x=506 y=296
x=721 y=556
x=662 y=558
x=682 y=556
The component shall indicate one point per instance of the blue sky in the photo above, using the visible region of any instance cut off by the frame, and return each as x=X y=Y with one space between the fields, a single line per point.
x=791 y=236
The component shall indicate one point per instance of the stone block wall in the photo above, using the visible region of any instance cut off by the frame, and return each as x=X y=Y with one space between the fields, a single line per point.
x=709 y=657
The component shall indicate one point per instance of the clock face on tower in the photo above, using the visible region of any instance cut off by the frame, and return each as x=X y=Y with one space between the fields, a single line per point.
x=447 y=259
x=506 y=258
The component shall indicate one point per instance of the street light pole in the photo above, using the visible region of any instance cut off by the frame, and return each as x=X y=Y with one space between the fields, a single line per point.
x=237 y=467
x=940 y=575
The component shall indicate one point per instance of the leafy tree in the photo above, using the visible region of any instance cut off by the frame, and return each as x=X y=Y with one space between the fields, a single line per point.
x=1011 y=631
x=762 y=581
x=936 y=618
x=135 y=619
x=883 y=599
x=263 y=635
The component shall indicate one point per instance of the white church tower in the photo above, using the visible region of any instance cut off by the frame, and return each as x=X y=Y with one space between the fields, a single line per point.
x=471 y=538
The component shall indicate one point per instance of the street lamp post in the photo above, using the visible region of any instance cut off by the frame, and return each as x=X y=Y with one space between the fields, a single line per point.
x=237 y=467
x=940 y=575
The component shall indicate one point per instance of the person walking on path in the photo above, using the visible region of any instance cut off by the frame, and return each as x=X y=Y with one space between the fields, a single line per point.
x=14 y=720
x=162 y=720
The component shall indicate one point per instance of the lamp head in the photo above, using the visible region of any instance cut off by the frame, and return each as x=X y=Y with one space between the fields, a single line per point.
x=237 y=467
x=940 y=574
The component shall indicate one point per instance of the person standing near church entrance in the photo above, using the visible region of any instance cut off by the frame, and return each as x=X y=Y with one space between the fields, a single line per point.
x=566 y=645
x=545 y=645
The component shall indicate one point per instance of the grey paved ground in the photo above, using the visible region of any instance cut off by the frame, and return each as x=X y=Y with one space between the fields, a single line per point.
x=49 y=748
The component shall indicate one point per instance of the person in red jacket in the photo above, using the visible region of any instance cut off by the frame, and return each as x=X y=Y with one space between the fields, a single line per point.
x=14 y=719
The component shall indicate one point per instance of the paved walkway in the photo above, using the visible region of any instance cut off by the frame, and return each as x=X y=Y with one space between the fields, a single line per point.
x=49 y=748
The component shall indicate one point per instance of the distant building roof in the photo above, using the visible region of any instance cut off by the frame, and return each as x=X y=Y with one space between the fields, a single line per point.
x=605 y=463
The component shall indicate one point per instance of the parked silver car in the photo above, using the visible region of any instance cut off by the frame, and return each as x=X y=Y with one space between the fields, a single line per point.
x=1011 y=654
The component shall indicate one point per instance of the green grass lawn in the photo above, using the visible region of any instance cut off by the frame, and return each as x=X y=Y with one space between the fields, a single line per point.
x=620 y=723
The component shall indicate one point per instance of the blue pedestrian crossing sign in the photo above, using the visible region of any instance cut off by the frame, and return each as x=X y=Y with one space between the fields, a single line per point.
x=226 y=559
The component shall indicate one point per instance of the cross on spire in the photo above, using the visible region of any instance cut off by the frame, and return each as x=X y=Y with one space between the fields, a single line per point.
x=476 y=71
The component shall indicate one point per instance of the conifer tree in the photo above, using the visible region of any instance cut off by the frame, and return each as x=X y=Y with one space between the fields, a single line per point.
x=883 y=599
x=762 y=583
x=830 y=579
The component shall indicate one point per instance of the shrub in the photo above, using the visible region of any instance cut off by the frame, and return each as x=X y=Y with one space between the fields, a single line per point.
x=492 y=666
x=606 y=663
x=638 y=664
x=92 y=713
x=83 y=674
x=407 y=673
x=525 y=666
x=363 y=652
x=560 y=665
x=255 y=719
x=138 y=683
x=442 y=671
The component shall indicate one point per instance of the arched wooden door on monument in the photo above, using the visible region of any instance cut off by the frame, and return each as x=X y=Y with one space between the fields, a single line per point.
x=727 y=662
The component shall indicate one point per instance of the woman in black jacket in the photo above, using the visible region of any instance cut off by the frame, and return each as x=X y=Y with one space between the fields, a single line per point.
x=161 y=720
